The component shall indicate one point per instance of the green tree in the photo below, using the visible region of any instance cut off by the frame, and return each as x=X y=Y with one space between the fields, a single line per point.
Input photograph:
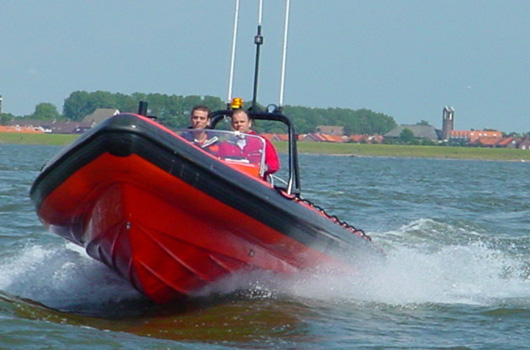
x=45 y=111
x=5 y=118
x=215 y=103
x=126 y=103
x=81 y=103
x=78 y=105
x=173 y=111
x=406 y=136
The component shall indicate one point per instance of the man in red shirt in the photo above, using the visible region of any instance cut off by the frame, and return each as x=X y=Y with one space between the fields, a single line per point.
x=247 y=147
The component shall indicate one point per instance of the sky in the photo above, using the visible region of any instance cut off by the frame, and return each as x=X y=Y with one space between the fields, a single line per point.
x=407 y=59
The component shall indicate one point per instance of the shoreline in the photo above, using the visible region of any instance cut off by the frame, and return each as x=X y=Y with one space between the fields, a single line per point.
x=335 y=149
x=409 y=151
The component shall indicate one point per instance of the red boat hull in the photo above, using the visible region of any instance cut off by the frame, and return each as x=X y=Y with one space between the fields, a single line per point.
x=168 y=233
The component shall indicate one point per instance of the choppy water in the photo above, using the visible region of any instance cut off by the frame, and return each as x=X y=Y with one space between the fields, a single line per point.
x=456 y=234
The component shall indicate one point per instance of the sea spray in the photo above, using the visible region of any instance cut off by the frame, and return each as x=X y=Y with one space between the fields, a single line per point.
x=422 y=266
x=61 y=277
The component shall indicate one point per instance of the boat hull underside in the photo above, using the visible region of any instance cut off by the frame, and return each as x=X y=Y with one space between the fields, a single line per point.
x=166 y=237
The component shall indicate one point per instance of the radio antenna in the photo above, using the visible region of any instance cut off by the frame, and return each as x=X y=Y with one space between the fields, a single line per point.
x=233 y=56
x=258 y=40
x=284 y=54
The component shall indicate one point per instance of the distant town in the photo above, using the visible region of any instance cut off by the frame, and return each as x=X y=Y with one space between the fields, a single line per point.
x=419 y=134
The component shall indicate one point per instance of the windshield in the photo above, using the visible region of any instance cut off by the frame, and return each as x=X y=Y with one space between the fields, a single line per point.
x=243 y=151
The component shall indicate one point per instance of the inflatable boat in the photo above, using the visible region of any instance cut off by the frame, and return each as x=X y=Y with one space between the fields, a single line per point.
x=172 y=218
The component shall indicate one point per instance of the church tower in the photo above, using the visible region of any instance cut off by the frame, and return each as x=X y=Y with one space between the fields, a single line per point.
x=448 y=118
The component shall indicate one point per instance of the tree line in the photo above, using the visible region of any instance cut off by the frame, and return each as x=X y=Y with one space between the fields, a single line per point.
x=174 y=110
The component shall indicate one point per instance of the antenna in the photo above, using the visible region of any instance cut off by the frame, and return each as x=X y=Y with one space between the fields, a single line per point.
x=284 y=54
x=258 y=40
x=233 y=56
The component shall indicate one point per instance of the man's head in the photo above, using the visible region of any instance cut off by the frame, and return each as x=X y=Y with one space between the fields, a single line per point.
x=200 y=117
x=240 y=121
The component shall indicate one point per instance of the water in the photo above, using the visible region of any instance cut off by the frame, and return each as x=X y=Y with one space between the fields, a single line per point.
x=456 y=235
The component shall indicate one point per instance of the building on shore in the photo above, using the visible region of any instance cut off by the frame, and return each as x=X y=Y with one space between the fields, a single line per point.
x=421 y=132
x=448 y=120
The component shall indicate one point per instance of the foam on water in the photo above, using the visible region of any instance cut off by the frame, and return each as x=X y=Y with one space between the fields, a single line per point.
x=469 y=275
x=425 y=268
x=421 y=266
x=60 y=277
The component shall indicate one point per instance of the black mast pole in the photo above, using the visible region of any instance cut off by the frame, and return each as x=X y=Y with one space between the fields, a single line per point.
x=258 y=40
